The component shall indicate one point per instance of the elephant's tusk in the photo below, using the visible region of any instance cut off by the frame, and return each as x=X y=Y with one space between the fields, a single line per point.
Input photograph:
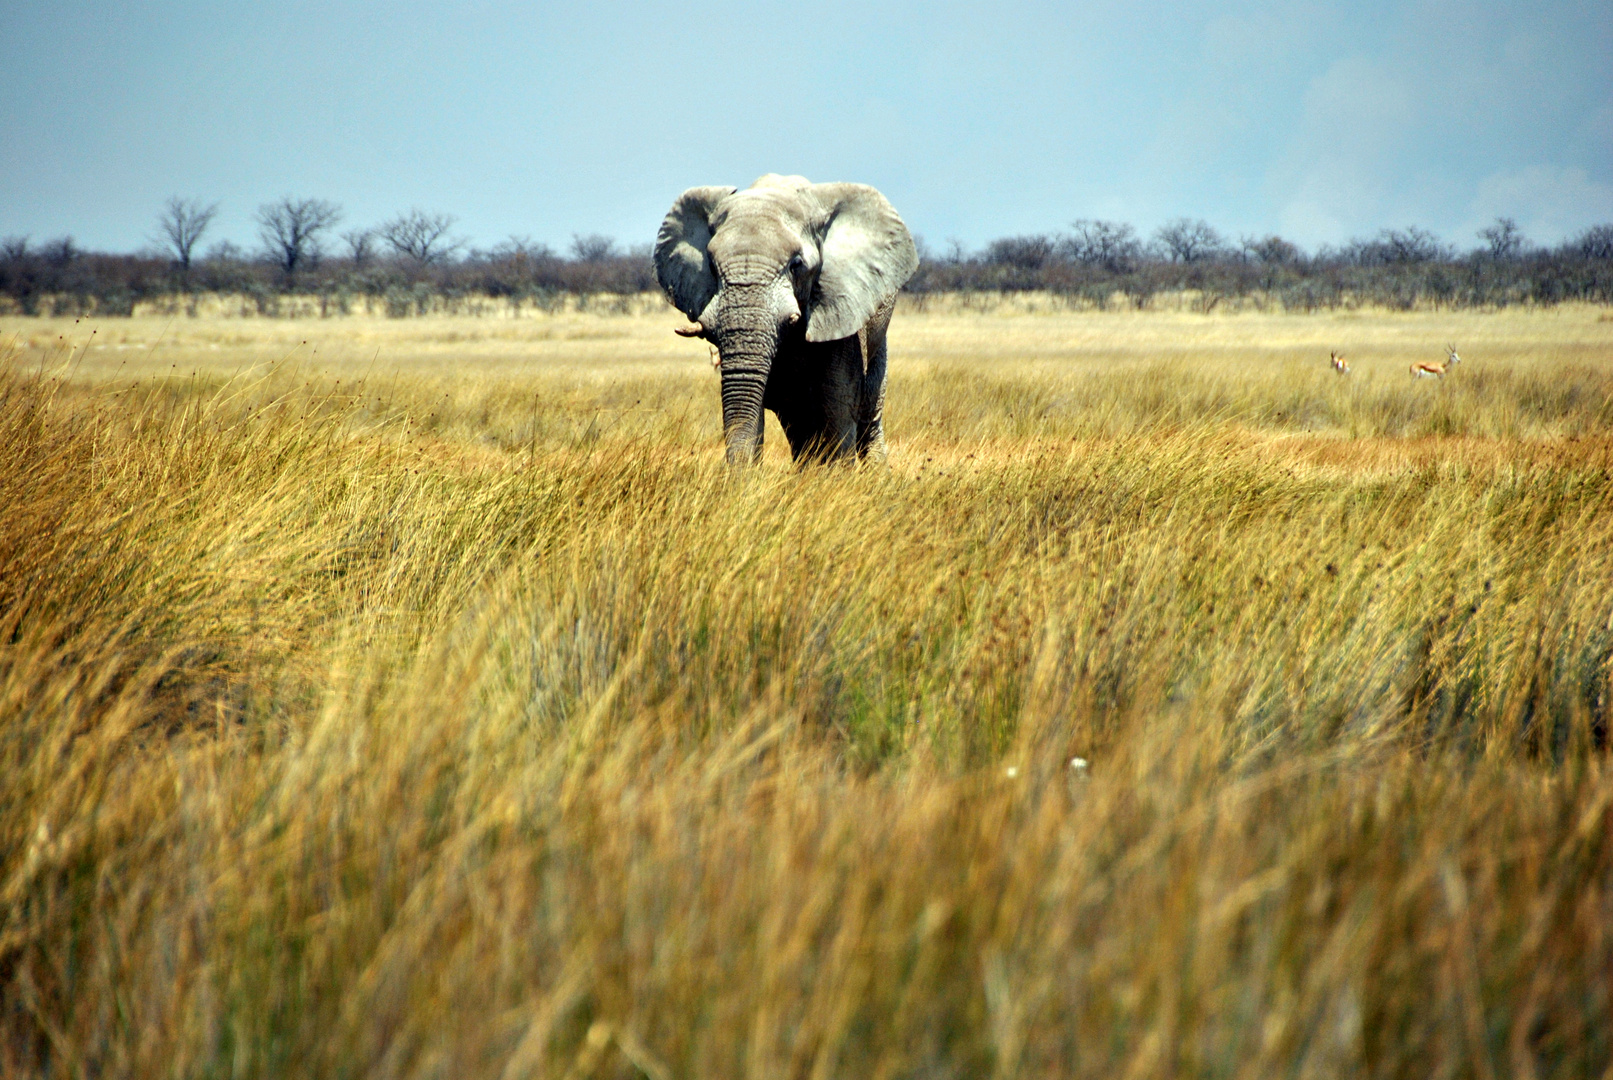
x=692 y=330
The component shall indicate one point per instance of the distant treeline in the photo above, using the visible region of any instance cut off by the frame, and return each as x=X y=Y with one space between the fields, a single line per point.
x=60 y=279
x=411 y=265
x=1104 y=262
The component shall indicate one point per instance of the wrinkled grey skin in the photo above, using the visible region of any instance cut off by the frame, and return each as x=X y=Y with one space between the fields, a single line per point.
x=794 y=283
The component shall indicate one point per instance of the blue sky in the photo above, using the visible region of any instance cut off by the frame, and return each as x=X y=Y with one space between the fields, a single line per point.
x=1319 y=121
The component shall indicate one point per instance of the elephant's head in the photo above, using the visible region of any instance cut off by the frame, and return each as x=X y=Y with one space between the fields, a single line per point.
x=783 y=257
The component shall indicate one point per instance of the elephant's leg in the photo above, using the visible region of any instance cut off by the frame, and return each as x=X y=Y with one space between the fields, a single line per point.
x=805 y=437
x=871 y=415
x=812 y=437
x=842 y=398
x=790 y=394
x=817 y=401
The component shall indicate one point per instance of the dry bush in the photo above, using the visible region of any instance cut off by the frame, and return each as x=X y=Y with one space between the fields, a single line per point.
x=381 y=728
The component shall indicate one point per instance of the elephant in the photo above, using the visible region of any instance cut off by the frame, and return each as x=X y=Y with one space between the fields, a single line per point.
x=794 y=283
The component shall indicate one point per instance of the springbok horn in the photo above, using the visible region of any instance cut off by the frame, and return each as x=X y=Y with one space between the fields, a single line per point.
x=694 y=329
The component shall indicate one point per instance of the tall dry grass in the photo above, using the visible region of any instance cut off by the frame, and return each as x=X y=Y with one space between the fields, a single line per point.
x=436 y=723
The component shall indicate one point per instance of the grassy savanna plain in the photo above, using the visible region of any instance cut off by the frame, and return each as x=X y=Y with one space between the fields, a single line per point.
x=425 y=698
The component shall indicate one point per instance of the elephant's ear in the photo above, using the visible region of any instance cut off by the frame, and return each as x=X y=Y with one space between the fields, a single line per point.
x=867 y=255
x=681 y=264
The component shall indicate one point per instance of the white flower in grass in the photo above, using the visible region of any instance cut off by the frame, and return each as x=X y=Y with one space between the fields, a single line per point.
x=1078 y=764
x=1012 y=771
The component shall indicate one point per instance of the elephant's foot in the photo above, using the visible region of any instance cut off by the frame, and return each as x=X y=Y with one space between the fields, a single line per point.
x=871 y=446
x=823 y=450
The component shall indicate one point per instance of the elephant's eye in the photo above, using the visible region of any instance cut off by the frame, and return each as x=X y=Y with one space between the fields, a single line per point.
x=797 y=264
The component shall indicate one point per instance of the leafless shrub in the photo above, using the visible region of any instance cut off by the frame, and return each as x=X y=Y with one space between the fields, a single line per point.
x=225 y=251
x=592 y=248
x=522 y=248
x=59 y=252
x=360 y=246
x=1023 y=252
x=1271 y=250
x=1595 y=242
x=1397 y=247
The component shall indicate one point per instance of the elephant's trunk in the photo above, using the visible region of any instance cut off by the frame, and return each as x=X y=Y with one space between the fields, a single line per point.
x=747 y=358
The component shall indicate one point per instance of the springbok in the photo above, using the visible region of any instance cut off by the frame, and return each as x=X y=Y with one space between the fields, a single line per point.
x=1340 y=367
x=1427 y=369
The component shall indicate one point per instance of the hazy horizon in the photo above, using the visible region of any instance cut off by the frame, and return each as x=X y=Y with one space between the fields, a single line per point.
x=1320 y=122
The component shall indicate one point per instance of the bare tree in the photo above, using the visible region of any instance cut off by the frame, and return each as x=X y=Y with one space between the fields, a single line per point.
x=1411 y=245
x=1110 y=244
x=182 y=223
x=1503 y=240
x=522 y=249
x=360 y=246
x=1595 y=242
x=1189 y=241
x=1272 y=250
x=290 y=228
x=60 y=251
x=225 y=251
x=421 y=236
x=14 y=248
x=1025 y=252
x=592 y=248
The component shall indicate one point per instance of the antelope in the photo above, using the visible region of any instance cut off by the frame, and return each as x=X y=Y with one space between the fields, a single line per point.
x=1427 y=369
x=1340 y=367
